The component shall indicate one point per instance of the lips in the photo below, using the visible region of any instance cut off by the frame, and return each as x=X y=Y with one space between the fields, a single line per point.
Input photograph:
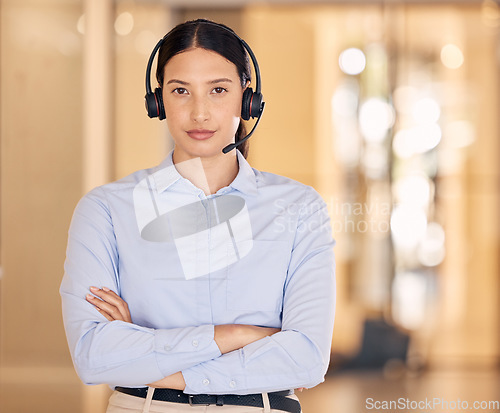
x=200 y=134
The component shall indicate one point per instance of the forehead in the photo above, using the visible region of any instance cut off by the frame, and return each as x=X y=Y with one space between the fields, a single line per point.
x=199 y=64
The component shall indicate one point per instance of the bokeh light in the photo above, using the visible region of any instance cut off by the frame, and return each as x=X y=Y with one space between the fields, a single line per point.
x=451 y=56
x=432 y=248
x=409 y=299
x=376 y=117
x=490 y=13
x=352 y=61
x=408 y=226
x=413 y=189
x=345 y=101
x=417 y=140
x=80 y=25
x=124 y=23
x=426 y=110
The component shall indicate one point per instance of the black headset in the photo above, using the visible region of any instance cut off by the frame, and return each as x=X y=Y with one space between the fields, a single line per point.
x=252 y=105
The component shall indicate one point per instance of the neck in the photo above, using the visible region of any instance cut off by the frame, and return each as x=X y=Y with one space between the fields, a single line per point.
x=208 y=173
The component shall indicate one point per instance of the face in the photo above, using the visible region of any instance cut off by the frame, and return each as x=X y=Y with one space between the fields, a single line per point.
x=202 y=95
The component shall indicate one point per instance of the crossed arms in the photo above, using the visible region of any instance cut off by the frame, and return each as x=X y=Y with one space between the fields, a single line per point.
x=228 y=337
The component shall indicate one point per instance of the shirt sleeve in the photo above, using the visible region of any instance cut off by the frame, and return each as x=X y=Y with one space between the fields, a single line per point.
x=299 y=355
x=116 y=353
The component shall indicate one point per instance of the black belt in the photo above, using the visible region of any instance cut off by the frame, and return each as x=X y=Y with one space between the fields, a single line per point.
x=277 y=400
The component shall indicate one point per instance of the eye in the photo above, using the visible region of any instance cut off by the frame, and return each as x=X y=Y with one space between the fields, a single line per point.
x=180 y=91
x=218 y=90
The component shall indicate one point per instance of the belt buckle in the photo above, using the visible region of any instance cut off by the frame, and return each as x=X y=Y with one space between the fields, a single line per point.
x=193 y=402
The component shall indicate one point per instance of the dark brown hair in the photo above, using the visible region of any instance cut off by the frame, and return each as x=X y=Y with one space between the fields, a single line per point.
x=208 y=35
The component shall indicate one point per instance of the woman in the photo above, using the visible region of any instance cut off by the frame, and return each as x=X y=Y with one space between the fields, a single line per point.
x=213 y=282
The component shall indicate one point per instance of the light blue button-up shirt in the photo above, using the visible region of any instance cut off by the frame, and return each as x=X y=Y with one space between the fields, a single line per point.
x=258 y=252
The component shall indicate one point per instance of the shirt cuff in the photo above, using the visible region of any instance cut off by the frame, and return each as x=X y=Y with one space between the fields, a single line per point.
x=200 y=380
x=181 y=348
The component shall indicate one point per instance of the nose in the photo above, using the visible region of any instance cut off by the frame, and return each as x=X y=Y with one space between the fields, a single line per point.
x=200 y=111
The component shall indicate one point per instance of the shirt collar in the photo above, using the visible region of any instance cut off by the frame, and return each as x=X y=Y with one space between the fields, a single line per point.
x=165 y=175
x=245 y=181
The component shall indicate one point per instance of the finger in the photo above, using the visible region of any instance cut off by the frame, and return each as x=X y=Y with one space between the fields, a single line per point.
x=114 y=299
x=93 y=301
x=105 y=314
x=109 y=296
x=108 y=308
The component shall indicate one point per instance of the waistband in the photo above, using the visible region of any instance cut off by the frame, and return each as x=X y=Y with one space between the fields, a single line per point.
x=277 y=400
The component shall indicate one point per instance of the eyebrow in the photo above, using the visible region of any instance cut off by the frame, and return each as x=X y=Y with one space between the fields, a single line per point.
x=221 y=80
x=211 y=82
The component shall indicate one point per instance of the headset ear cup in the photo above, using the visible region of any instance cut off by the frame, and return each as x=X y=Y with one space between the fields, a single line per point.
x=246 y=103
x=151 y=105
x=256 y=105
x=159 y=100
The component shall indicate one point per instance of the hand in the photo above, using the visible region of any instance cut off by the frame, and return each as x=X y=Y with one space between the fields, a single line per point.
x=109 y=304
x=230 y=337
x=174 y=381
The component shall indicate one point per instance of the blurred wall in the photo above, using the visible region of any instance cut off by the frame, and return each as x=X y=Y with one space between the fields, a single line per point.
x=41 y=175
x=138 y=142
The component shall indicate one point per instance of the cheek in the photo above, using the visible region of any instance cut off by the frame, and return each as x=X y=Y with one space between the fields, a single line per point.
x=232 y=119
x=236 y=108
x=174 y=113
x=229 y=110
x=174 y=119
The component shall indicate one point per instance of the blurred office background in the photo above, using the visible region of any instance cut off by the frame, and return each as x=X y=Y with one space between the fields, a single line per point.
x=388 y=108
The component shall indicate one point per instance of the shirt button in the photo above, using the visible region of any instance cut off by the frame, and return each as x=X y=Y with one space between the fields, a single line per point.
x=168 y=348
x=195 y=343
x=206 y=382
x=232 y=383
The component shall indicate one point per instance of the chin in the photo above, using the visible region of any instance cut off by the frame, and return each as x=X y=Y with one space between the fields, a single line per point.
x=208 y=151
